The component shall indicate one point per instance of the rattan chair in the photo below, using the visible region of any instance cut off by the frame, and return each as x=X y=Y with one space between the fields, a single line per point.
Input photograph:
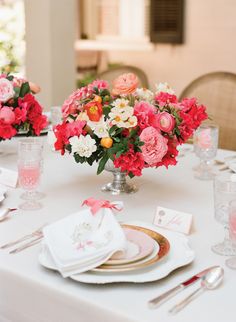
x=217 y=91
x=110 y=74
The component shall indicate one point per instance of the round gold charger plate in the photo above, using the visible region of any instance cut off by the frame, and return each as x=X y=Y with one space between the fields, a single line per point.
x=164 y=247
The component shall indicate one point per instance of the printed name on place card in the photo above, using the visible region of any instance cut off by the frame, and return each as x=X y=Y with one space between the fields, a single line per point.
x=173 y=220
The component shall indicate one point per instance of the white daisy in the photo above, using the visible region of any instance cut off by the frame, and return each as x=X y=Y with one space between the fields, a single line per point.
x=120 y=103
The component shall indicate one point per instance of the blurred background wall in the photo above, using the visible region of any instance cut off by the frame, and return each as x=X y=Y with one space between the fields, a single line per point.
x=63 y=44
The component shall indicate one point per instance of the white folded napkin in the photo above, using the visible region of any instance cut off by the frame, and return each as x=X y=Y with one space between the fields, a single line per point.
x=83 y=240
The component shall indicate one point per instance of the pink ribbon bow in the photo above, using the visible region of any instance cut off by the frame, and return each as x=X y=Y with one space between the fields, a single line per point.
x=96 y=205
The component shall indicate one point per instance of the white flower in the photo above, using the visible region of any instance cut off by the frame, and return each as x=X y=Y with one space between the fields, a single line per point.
x=99 y=128
x=82 y=117
x=144 y=94
x=6 y=90
x=164 y=87
x=132 y=121
x=120 y=103
x=119 y=116
x=83 y=145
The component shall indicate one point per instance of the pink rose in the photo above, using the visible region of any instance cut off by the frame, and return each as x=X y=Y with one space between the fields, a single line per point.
x=155 y=146
x=6 y=90
x=165 y=122
x=125 y=84
x=7 y=115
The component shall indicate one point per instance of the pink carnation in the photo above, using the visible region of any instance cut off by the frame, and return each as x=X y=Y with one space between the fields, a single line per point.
x=100 y=84
x=155 y=146
x=73 y=103
x=145 y=114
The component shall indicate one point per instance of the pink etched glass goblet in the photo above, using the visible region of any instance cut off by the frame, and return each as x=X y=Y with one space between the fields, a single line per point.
x=29 y=170
x=231 y=262
x=205 y=147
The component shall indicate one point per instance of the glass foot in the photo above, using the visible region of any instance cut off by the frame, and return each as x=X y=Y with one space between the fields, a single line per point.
x=30 y=205
x=231 y=263
x=225 y=249
x=37 y=195
x=208 y=175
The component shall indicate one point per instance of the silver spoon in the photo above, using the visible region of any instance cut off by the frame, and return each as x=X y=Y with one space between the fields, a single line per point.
x=209 y=282
x=5 y=213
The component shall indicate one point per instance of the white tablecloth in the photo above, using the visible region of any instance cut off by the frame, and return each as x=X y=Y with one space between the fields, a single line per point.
x=30 y=293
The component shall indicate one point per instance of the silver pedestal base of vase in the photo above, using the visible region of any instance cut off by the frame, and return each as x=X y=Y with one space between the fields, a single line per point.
x=119 y=184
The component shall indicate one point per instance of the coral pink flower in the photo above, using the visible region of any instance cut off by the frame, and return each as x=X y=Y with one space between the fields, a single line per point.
x=7 y=115
x=164 y=98
x=125 y=84
x=165 y=122
x=6 y=131
x=155 y=146
x=145 y=114
x=6 y=90
x=130 y=162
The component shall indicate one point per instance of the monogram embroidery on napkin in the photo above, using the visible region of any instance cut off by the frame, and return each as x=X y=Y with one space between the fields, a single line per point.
x=81 y=240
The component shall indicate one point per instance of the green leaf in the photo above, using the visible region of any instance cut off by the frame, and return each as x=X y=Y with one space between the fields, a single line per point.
x=10 y=77
x=112 y=130
x=25 y=89
x=106 y=110
x=102 y=163
x=119 y=153
x=104 y=92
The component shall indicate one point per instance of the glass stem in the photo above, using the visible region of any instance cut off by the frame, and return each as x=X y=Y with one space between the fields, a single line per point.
x=227 y=240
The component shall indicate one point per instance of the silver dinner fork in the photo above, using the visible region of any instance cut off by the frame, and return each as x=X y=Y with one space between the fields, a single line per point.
x=36 y=233
x=27 y=245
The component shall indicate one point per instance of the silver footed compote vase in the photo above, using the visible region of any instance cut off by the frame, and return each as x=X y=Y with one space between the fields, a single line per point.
x=119 y=184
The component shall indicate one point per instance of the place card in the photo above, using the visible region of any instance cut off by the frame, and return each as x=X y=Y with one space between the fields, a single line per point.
x=8 y=177
x=173 y=220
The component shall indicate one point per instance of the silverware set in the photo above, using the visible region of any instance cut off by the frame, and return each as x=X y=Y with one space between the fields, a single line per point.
x=210 y=279
x=25 y=242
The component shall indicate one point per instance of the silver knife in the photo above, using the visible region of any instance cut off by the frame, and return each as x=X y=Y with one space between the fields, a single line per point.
x=157 y=301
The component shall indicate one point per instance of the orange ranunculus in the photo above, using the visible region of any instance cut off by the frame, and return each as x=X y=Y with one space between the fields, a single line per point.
x=94 y=111
x=125 y=84
x=97 y=98
x=106 y=142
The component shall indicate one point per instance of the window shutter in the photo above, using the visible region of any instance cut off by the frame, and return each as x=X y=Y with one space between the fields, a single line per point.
x=166 y=21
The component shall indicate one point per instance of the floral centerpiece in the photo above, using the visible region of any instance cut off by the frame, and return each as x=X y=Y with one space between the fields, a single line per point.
x=19 y=110
x=132 y=128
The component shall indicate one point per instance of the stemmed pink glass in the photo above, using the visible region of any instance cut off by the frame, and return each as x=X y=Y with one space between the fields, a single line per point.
x=37 y=194
x=224 y=193
x=29 y=169
x=231 y=262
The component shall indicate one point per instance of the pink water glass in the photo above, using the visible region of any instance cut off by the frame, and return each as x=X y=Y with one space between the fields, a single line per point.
x=231 y=262
x=224 y=193
x=29 y=169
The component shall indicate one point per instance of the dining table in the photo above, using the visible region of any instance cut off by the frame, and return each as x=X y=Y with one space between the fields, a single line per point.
x=30 y=292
